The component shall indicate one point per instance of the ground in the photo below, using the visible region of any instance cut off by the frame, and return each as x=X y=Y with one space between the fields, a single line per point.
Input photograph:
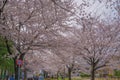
x=77 y=78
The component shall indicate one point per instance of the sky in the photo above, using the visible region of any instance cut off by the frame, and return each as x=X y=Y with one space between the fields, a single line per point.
x=99 y=9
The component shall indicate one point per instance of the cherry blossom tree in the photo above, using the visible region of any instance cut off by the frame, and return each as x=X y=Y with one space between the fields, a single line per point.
x=97 y=43
x=32 y=23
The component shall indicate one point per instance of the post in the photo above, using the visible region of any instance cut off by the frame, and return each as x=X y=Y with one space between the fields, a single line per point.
x=19 y=63
x=19 y=72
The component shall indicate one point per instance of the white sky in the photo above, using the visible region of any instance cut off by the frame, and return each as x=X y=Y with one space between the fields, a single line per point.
x=98 y=8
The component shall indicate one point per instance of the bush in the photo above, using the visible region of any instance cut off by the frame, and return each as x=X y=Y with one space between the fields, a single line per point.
x=84 y=75
x=110 y=75
x=117 y=73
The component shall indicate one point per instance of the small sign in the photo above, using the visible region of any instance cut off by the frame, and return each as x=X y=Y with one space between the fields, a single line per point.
x=19 y=62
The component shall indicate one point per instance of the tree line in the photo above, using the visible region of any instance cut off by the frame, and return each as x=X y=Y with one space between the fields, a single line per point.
x=46 y=28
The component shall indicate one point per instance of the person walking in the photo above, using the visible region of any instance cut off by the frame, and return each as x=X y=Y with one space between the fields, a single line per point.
x=35 y=77
x=12 y=78
x=41 y=77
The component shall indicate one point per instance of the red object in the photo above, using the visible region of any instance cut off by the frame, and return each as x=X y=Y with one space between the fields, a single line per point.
x=19 y=62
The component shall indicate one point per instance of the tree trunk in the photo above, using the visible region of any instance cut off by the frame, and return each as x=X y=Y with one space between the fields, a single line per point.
x=25 y=74
x=24 y=65
x=16 y=69
x=64 y=74
x=1 y=74
x=92 y=73
x=69 y=73
x=58 y=75
x=16 y=66
x=4 y=75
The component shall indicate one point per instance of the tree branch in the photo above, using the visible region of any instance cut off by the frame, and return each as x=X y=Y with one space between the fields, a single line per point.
x=2 y=8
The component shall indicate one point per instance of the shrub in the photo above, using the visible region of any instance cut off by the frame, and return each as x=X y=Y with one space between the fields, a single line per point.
x=84 y=75
x=117 y=73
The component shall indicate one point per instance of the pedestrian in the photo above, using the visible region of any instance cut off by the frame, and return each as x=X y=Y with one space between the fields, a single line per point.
x=35 y=77
x=41 y=77
x=28 y=79
x=12 y=78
